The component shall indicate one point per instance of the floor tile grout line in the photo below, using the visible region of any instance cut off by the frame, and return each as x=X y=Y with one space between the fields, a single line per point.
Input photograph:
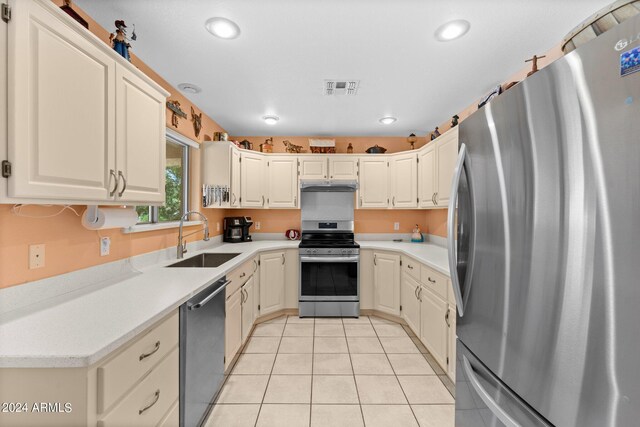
x=270 y=373
x=353 y=373
x=398 y=381
x=313 y=352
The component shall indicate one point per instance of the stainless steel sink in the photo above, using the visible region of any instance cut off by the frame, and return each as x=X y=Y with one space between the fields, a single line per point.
x=205 y=260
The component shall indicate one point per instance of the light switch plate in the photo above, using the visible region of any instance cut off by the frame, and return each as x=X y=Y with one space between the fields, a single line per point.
x=258 y=225
x=217 y=226
x=36 y=256
x=396 y=226
x=105 y=246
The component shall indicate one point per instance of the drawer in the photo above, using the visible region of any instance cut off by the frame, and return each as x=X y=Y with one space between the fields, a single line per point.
x=172 y=419
x=149 y=401
x=411 y=267
x=239 y=276
x=434 y=281
x=120 y=373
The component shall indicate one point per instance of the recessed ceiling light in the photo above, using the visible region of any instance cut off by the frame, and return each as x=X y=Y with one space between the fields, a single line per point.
x=387 y=120
x=452 y=30
x=271 y=120
x=222 y=27
x=189 y=88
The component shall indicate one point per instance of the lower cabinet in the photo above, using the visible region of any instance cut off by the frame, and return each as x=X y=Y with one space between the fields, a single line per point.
x=410 y=308
x=386 y=282
x=433 y=325
x=248 y=307
x=272 y=282
x=232 y=326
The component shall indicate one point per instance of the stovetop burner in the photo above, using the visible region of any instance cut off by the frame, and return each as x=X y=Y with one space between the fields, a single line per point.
x=328 y=240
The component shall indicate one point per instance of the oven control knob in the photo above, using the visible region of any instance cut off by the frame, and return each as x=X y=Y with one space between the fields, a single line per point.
x=313 y=251
x=344 y=251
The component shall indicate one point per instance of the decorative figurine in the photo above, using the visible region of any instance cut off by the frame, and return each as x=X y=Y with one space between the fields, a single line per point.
x=197 y=122
x=350 y=148
x=292 y=148
x=119 y=40
x=435 y=134
x=454 y=121
x=417 y=236
x=176 y=112
x=534 y=64
x=267 y=146
x=412 y=140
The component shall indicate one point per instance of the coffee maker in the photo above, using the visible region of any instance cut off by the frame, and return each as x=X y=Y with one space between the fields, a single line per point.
x=236 y=229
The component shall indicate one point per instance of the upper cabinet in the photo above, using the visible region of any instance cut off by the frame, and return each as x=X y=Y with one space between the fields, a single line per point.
x=234 y=196
x=436 y=164
x=372 y=192
x=313 y=167
x=343 y=167
x=252 y=176
x=403 y=182
x=283 y=182
x=84 y=126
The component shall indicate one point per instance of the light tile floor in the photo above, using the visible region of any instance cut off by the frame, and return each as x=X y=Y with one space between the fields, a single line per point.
x=331 y=373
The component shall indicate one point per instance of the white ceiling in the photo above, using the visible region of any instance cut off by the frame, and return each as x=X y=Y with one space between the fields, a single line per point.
x=287 y=48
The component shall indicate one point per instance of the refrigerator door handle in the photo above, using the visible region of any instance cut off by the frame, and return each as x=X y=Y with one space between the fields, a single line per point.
x=451 y=240
x=486 y=398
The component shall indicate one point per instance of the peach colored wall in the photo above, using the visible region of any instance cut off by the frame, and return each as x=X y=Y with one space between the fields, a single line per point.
x=68 y=245
x=393 y=144
x=435 y=221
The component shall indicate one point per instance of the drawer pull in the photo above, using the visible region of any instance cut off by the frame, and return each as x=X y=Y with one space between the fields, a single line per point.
x=410 y=266
x=431 y=280
x=156 y=348
x=242 y=275
x=155 y=400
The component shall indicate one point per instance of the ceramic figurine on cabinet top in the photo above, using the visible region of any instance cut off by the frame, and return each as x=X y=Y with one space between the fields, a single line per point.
x=119 y=40
x=350 y=148
x=435 y=134
x=454 y=121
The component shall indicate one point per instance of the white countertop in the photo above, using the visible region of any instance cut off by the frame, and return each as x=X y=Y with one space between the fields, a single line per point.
x=80 y=331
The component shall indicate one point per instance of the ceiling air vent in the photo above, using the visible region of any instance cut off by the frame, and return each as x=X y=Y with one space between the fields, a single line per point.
x=341 y=87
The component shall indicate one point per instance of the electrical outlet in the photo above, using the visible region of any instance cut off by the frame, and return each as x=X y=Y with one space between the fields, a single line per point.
x=258 y=225
x=36 y=256
x=105 y=246
x=396 y=226
x=217 y=226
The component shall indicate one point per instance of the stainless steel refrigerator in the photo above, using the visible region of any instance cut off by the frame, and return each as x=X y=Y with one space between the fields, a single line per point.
x=546 y=261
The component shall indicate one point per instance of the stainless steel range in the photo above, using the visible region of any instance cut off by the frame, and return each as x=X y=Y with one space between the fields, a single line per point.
x=329 y=283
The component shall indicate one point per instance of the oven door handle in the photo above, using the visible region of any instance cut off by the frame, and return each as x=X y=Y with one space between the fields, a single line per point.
x=330 y=258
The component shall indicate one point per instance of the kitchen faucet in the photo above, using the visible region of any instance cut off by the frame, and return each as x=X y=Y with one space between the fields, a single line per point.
x=182 y=246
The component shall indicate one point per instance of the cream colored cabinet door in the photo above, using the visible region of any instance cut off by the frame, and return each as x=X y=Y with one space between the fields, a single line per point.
x=372 y=192
x=404 y=181
x=343 y=167
x=447 y=155
x=140 y=139
x=256 y=288
x=272 y=284
x=313 y=167
x=61 y=109
x=235 y=179
x=248 y=307
x=386 y=281
x=283 y=182
x=410 y=303
x=232 y=326
x=433 y=326
x=427 y=177
x=252 y=177
x=451 y=345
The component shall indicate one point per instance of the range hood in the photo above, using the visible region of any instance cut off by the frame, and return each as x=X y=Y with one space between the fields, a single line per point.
x=309 y=185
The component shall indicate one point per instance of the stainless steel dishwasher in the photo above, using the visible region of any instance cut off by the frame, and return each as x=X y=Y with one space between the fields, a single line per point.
x=201 y=352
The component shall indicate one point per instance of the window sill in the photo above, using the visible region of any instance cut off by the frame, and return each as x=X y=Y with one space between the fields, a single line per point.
x=140 y=228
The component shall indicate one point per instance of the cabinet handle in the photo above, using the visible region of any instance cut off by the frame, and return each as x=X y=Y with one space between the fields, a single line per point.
x=242 y=300
x=360 y=201
x=282 y=259
x=295 y=200
x=262 y=200
x=394 y=200
x=410 y=267
x=415 y=292
x=112 y=173
x=446 y=318
x=155 y=400
x=375 y=258
x=243 y=274
x=234 y=198
x=256 y=266
x=431 y=280
x=420 y=295
x=156 y=348
x=121 y=175
x=435 y=196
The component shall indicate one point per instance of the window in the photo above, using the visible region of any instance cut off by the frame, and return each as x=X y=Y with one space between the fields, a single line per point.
x=176 y=187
